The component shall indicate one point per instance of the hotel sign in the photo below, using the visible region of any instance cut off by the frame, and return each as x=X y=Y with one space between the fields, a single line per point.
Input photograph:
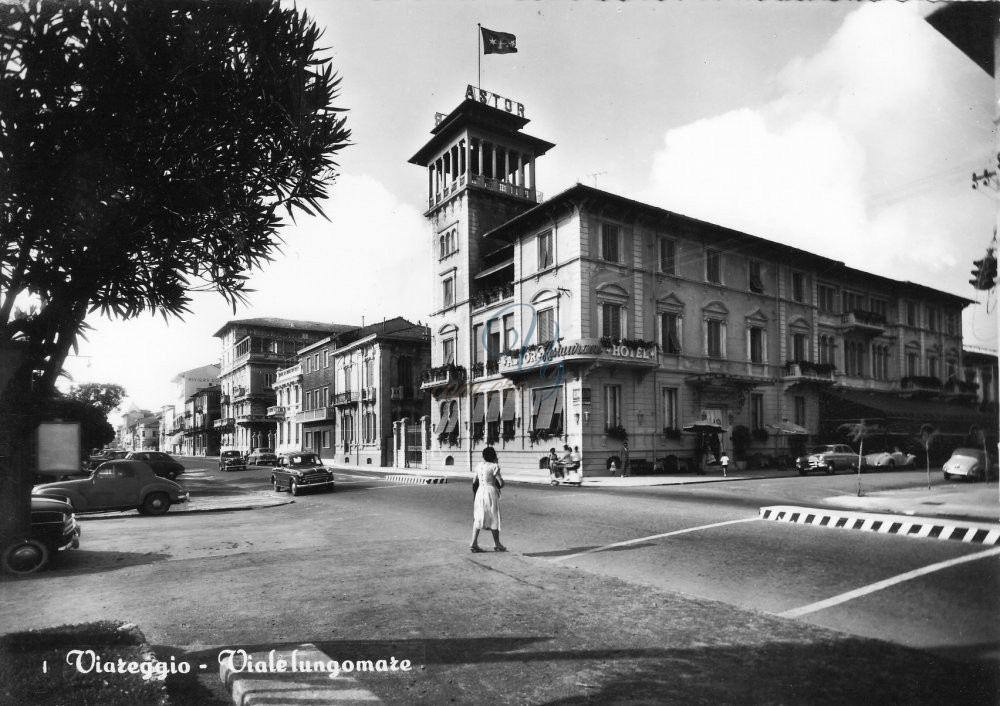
x=494 y=100
x=589 y=349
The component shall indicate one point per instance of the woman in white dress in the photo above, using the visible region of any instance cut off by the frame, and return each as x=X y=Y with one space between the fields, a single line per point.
x=486 y=506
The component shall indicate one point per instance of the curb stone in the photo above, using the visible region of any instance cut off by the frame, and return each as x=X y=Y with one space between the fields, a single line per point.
x=922 y=527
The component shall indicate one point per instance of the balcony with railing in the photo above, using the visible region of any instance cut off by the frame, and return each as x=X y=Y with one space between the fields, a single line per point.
x=442 y=375
x=804 y=371
x=868 y=323
x=449 y=188
x=276 y=411
x=223 y=424
x=492 y=297
x=254 y=416
x=346 y=397
x=287 y=375
x=316 y=415
x=401 y=392
x=956 y=389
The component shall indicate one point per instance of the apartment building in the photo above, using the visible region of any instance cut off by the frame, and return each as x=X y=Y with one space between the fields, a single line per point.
x=201 y=410
x=253 y=350
x=174 y=431
x=590 y=318
x=356 y=384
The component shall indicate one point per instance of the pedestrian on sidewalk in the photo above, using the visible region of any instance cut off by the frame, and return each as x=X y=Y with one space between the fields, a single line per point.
x=724 y=460
x=555 y=473
x=486 y=506
x=623 y=456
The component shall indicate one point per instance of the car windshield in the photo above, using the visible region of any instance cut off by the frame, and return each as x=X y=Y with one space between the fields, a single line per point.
x=821 y=449
x=303 y=460
x=230 y=454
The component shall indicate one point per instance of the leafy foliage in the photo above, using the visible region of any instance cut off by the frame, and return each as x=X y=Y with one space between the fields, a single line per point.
x=106 y=396
x=146 y=151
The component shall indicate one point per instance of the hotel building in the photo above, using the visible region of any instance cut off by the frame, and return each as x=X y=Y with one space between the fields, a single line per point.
x=589 y=317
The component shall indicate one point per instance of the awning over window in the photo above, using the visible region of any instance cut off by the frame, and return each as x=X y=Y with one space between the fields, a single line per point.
x=478 y=408
x=445 y=417
x=509 y=406
x=548 y=398
x=900 y=415
x=493 y=408
x=453 y=419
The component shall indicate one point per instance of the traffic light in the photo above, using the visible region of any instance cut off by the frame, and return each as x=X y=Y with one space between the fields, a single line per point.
x=985 y=274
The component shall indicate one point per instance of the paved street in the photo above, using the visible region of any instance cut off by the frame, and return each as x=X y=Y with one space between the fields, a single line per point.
x=621 y=583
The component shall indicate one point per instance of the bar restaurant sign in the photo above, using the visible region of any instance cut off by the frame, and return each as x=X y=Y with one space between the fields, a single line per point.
x=494 y=100
x=582 y=349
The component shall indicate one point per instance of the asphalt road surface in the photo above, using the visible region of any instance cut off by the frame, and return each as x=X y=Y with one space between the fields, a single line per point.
x=336 y=562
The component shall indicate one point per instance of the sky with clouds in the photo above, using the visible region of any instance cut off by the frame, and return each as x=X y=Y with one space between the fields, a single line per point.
x=847 y=129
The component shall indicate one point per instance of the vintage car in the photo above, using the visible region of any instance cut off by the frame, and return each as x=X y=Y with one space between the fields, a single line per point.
x=118 y=485
x=829 y=459
x=889 y=459
x=971 y=464
x=53 y=529
x=232 y=461
x=301 y=470
x=164 y=465
x=105 y=455
x=262 y=457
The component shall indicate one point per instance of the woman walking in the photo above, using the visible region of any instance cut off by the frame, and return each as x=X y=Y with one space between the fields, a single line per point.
x=486 y=506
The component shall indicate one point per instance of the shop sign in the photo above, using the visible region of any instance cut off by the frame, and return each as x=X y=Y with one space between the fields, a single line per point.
x=499 y=102
x=586 y=348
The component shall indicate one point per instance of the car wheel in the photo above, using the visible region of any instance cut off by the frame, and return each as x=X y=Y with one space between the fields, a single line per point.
x=330 y=488
x=802 y=471
x=830 y=469
x=156 y=503
x=294 y=487
x=947 y=476
x=274 y=484
x=891 y=465
x=25 y=557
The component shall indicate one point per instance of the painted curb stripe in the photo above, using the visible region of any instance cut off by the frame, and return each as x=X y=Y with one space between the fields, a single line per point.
x=417 y=480
x=887 y=583
x=966 y=532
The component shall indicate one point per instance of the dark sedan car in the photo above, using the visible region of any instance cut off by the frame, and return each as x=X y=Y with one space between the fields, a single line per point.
x=106 y=455
x=297 y=471
x=232 y=461
x=53 y=529
x=118 y=485
x=262 y=457
x=163 y=465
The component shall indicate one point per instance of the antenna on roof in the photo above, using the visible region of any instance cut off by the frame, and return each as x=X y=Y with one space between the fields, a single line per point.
x=594 y=176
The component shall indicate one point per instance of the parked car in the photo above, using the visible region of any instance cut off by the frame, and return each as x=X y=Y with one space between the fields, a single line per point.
x=971 y=464
x=53 y=529
x=232 y=461
x=262 y=457
x=890 y=459
x=163 y=465
x=829 y=458
x=297 y=471
x=118 y=485
x=105 y=455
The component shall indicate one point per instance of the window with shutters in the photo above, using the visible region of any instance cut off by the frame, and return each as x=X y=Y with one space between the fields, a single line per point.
x=610 y=242
x=546 y=255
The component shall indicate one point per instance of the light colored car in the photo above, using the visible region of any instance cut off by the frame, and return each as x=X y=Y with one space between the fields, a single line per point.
x=296 y=472
x=118 y=485
x=262 y=457
x=969 y=463
x=890 y=459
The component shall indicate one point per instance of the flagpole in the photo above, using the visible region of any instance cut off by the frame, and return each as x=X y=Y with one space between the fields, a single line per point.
x=479 y=57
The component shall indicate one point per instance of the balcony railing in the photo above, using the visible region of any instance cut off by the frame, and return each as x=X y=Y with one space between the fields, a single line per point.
x=346 y=397
x=920 y=383
x=867 y=322
x=497 y=185
x=803 y=371
x=276 y=412
x=400 y=392
x=481 y=300
x=258 y=415
x=223 y=423
x=442 y=375
x=316 y=415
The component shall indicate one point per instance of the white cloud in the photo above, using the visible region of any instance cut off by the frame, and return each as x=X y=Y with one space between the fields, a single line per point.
x=862 y=155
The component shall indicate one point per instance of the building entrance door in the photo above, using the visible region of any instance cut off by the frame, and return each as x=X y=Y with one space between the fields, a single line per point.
x=414 y=446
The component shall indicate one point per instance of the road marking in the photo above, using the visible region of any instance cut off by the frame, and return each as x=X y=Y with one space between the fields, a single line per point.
x=654 y=536
x=887 y=583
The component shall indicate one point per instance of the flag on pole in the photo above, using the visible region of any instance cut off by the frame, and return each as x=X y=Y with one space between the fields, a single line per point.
x=498 y=42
